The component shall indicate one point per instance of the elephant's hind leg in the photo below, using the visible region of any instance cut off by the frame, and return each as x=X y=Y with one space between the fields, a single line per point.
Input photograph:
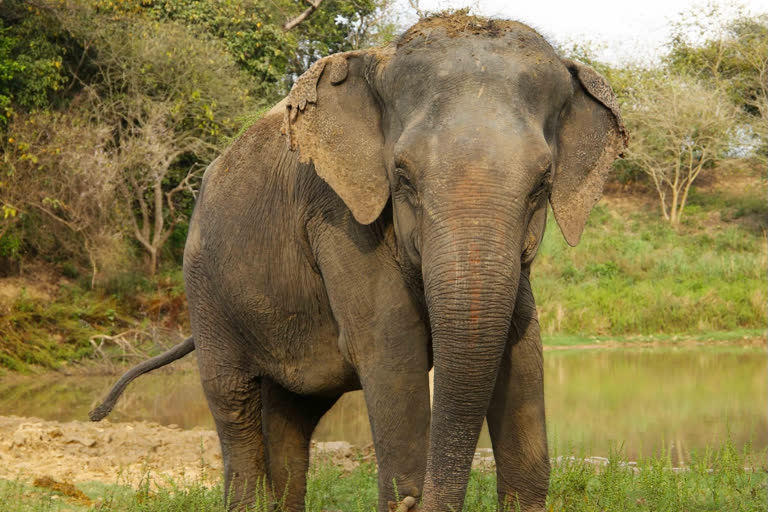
x=289 y=420
x=234 y=398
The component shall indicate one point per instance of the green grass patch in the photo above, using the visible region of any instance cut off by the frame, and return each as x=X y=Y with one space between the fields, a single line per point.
x=721 y=479
x=44 y=333
x=747 y=336
x=725 y=479
x=633 y=273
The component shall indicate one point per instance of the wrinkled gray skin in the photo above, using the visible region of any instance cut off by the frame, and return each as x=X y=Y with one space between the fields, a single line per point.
x=397 y=234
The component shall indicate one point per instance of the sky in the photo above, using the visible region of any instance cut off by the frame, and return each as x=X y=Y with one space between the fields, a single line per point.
x=625 y=31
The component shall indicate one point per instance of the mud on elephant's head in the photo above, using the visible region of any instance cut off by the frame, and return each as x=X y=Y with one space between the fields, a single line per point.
x=459 y=100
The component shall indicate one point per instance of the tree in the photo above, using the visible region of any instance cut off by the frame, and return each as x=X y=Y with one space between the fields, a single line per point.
x=57 y=167
x=147 y=101
x=254 y=32
x=728 y=50
x=680 y=126
x=33 y=48
x=170 y=98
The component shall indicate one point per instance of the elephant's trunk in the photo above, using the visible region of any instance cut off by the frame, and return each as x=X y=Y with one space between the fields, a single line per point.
x=471 y=268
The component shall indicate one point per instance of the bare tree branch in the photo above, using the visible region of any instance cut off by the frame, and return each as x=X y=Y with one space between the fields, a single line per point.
x=680 y=125
x=415 y=6
x=184 y=185
x=313 y=5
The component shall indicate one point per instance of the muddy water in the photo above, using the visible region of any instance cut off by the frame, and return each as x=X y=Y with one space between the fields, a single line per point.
x=679 y=399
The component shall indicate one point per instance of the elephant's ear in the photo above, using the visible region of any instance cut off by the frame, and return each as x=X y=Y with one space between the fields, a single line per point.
x=591 y=136
x=332 y=117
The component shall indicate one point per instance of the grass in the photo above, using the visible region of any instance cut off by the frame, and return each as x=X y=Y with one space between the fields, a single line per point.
x=721 y=479
x=39 y=333
x=43 y=333
x=633 y=273
x=629 y=340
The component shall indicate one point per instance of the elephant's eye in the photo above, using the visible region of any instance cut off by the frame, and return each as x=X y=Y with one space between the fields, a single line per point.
x=546 y=178
x=402 y=181
x=542 y=186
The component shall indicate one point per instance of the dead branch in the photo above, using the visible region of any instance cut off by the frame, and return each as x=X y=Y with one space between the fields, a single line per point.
x=415 y=6
x=127 y=347
x=313 y=5
x=184 y=185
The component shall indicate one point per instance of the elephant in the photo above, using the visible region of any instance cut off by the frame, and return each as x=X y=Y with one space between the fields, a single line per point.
x=379 y=222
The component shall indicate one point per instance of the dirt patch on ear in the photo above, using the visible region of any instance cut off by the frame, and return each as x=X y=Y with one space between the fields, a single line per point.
x=304 y=91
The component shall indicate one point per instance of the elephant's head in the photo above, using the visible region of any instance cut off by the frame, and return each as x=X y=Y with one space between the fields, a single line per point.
x=469 y=126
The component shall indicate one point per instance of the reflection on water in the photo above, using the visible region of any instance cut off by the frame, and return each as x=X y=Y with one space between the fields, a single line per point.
x=597 y=400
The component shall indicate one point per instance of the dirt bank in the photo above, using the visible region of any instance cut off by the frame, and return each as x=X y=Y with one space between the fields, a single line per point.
x=81 y=452
x=108 y=452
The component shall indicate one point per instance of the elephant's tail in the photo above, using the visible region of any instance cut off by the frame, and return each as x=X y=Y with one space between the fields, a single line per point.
x=169 y=356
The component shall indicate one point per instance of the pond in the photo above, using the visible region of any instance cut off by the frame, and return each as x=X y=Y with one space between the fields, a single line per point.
x=680 y=399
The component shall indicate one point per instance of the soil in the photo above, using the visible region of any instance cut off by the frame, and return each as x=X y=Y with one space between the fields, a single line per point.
x=78 y=452
x=34 y=451
x=39 y=282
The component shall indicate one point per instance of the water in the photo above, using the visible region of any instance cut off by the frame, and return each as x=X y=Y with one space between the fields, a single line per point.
x=642 y=400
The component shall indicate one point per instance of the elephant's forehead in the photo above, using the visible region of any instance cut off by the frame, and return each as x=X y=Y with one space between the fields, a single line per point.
x=524 y=69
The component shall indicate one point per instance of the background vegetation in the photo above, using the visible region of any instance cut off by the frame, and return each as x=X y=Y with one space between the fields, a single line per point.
x=111 y=109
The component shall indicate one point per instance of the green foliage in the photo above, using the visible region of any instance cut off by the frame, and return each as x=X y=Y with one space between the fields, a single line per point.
x=720 y=479
x=9 y=68
x=10 y=246
x=728 y=51
x=250 y=36
x=145 y=65
x=253 y=33
x=153 y=100
x=33 y=48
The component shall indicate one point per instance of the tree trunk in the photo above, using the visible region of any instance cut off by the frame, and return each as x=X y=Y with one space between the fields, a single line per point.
x=152 y=265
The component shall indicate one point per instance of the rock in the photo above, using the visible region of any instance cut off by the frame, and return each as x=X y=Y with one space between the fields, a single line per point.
x=88 y=442
x=340 y=447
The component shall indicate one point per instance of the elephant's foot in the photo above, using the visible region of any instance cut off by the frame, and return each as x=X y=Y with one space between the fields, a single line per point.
x=408 y=503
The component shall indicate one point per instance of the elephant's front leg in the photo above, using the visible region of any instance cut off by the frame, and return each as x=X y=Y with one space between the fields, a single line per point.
x=383 y=334
x=384 y=337
x=396 y=389
x=516 y=413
